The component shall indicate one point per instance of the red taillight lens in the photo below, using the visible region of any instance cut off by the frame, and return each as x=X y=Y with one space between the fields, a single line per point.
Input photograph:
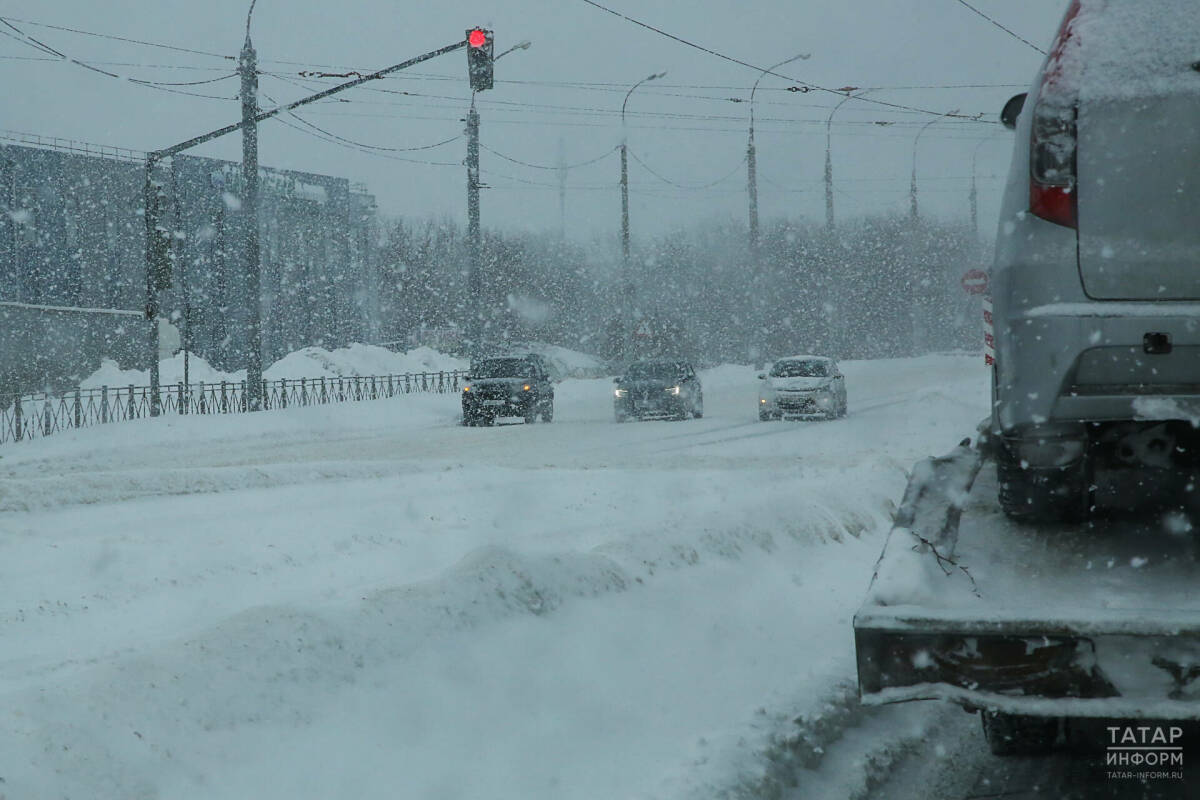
x=1053 y=136
x=1052 y=164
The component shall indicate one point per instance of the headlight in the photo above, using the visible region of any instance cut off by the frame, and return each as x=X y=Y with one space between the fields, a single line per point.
x=762 y=400
x=525 y=387
x=673 y=390
x=620 y=392
x=466 y=388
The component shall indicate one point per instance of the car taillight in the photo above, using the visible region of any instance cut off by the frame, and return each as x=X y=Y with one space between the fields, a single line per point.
x=1053 y=136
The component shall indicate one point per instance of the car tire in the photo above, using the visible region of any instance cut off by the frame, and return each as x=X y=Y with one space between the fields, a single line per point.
x=765 y=416
x=485 y=421
x=1042 y=495
x=531 y=417
x=1014 y=735
x=698 y=411
x=548 y=413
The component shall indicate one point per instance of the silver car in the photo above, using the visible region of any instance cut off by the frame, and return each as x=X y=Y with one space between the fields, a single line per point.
x=802 y=386
x=1096 y=279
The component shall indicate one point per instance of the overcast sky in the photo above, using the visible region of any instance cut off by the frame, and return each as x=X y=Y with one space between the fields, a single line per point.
x=561 y=96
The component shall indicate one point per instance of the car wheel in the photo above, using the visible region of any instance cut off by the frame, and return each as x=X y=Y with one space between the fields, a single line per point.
x=548 y=413
x=765 y=416
x=1013 y=735
x=485 y=421
x=698 y=411
x=1053 y=494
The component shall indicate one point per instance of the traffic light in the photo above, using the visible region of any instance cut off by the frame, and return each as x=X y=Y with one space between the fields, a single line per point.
x=479 y=58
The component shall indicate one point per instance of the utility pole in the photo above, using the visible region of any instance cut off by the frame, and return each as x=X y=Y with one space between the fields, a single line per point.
x=562 y=190
x=626 y=266
x=474 y=248
x=248 y=69
x=178 y=258
x=752 y=191
x=156 y=269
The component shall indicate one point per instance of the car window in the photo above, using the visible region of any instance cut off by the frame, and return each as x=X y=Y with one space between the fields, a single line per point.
x=808 y=368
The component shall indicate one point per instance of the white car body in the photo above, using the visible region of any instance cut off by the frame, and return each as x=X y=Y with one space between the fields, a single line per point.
x=802 y=387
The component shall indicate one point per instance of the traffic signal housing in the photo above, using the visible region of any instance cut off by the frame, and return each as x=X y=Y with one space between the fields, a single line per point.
x=479 y=58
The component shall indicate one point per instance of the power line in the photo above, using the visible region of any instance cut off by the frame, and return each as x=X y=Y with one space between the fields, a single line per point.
x=380 y=148
x=1001 y=27
x=686 y=186
x=45 y=48
x=372 y=150
x=806 y=86
x=601 y=157
x=118 y=38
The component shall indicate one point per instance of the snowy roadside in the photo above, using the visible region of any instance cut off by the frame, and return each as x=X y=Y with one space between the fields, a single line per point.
x=633 y=610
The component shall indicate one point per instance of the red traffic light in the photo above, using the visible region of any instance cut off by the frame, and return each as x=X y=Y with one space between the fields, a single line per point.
x=477 y=38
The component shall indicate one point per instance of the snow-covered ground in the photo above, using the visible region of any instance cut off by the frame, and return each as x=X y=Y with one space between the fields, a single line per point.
x=369 y=600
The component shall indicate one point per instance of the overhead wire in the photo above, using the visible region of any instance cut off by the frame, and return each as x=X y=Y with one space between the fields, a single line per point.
x=119 y=38
x=41 y=46
x=374 y=150
x=807 y=85
x=723 y=178
x=576 y=165
x=1001 y=27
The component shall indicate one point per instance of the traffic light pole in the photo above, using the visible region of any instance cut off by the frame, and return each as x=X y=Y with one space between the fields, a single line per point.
x=475 y=297
x=248 y=67
x=157 y=237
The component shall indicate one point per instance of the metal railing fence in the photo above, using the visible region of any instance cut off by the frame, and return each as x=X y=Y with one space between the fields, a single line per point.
x=32 y=416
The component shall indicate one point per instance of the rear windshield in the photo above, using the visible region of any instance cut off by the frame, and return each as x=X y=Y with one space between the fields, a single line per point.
x=1129 y=49
x=653 y=370
x=501 y=368
x=800 y=369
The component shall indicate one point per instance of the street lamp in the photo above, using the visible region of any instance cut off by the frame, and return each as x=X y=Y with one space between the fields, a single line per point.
x=525 y=45
x=752 y=192
x=912 y=189
x=974 y=195
x=751 y=168
x=627 y=266
x=829 y=156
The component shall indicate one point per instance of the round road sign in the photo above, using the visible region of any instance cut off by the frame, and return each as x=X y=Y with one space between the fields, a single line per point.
x=975 y=281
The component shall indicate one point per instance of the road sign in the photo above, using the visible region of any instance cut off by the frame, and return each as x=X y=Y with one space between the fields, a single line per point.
x=975 y=281
x=643 y=329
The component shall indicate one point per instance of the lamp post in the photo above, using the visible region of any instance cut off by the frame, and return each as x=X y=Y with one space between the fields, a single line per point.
x=974 y=197
x=829 y=156
x=627 y=267
x=912 y=186
x=751 y=165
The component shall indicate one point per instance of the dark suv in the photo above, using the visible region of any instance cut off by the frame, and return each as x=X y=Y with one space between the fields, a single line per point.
x=507 y=387
x=658 y=389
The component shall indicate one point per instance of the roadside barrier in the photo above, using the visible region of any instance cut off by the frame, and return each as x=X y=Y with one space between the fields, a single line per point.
x=33 y=416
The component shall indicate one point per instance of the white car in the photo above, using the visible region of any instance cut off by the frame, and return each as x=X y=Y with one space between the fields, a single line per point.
x=802 y=386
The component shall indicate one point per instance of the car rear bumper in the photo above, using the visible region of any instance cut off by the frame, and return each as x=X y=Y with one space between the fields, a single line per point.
x=1095 y=362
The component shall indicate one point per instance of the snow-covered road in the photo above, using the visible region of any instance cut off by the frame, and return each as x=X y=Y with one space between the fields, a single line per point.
x=370 y=600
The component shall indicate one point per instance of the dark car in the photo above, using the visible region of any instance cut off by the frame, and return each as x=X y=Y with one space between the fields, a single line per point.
x=660 y=389
x=507 y=387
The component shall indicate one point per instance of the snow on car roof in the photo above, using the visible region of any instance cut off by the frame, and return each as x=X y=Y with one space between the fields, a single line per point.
x=1134 y=48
